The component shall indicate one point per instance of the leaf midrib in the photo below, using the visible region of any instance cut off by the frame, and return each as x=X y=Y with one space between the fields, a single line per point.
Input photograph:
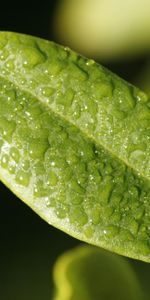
x=62 y=117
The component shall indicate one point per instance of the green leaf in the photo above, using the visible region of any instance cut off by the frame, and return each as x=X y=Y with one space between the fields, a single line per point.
x=87 y=273
x=75 y=144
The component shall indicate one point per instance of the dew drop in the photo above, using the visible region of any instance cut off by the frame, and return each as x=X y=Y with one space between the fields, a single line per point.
x=39 y=189
x=14 y=153
x=90 y=62
x=10 y=65
x=4 y=161
x=23 y=178
x=52 y=179
x=30 y=57
x=88 y=231
x=79 y=216
x=50 y=201
x=110 y=231
x=12 y=169
x=62 y=211
x=25 y=165
x=47 y=91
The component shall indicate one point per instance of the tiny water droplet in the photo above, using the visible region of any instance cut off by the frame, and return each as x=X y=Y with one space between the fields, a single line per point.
x=4 y=161
x=14 y=153
x=90 y=62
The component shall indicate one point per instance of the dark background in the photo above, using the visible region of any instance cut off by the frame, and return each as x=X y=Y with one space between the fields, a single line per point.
x=28 y=245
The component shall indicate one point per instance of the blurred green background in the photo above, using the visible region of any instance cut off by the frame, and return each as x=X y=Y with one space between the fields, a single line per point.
x=117 y=34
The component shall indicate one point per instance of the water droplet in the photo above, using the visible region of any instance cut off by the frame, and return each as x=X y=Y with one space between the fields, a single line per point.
x=47 y=91
x=73 y=184
x=10 y=65
x=50 y=201
x=23 y=178
x=140 y=95
x=37 y=148
x=67 y=49
x=25 y=164
x=31 y=57
x=110 y=231
x=4 y=54
x=4 y=161
x=52 y=178
x=95 y=216
x=90 y=62
x=8 y=128
x=78 y=215
x=125 y=235
x=39 y=189
x=62 y=211
x=91 y=177
x=14 y=153
x=89 y=231
x=134 y=227
x=12 y=168
x=102 y=89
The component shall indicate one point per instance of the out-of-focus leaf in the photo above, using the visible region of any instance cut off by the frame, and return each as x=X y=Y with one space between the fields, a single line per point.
x=88 y=273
